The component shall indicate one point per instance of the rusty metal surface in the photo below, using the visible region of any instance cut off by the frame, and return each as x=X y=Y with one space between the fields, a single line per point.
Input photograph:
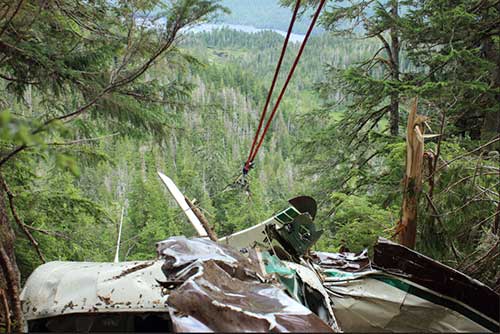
x=216 y=288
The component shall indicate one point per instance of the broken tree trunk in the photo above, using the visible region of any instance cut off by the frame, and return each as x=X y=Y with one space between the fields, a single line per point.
x=412 y=182
x=203 y=220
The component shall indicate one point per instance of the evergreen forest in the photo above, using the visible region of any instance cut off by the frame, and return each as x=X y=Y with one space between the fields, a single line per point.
x=97 y=96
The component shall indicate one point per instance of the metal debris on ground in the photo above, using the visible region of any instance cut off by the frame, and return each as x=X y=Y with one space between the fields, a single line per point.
x=226 y=291
x=264 y=278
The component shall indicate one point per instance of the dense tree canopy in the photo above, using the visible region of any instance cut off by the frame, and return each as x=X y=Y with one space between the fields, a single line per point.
x=446 y=54
x=72 y=71
x=96 y=97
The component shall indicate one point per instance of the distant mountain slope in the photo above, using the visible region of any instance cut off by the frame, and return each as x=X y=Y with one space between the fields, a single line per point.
x=262 y=14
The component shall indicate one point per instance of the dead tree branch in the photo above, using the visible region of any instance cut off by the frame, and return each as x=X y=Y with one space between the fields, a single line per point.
x=18 y=220
x=472 y=268
x=6 y=25
x=494 y=140
x=48 y=232
x=438 y=218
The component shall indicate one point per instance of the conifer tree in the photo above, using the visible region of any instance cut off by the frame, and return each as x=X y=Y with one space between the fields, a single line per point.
x=66 y=67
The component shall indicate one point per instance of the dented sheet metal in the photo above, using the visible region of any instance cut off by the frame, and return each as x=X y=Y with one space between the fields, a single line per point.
x=265 y=279
x=374 y=304
x=314 y=294
x=216 y=288
x=444 y=280
x=404 y=291
x=60 y=288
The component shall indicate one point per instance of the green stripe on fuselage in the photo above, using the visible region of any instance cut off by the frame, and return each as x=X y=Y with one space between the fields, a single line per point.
x=433 y=298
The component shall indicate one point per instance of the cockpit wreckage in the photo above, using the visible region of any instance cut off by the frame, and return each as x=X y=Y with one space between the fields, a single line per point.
x=262 y=279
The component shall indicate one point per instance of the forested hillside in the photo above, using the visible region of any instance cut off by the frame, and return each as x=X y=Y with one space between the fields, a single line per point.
x=203 y=150
x=438 y=188
x=94 y=101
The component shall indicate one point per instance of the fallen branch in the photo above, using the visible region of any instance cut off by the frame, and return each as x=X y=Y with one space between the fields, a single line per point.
x=494 y=140
x=16 y=11
x=79 y=141
x=435 y=160
x=496 y=223
x=47 y=232
x=482 y=258
x=21 y=225
x=203 y=220
x=485 y=219
x=471 y=200
x=447 y=189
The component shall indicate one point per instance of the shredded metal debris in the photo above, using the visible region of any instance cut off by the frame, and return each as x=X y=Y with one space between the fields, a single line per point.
x=223 y=293
x=262 y=279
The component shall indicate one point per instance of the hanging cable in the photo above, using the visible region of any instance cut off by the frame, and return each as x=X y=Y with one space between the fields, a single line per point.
x=255 y=147
x=273 y=84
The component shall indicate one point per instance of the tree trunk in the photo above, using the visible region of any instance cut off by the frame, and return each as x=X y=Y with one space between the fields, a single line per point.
x=395 y=48
x=203 y=220
x=394 y=114
x=9 y=279
x=491 y=124
x=407 y=226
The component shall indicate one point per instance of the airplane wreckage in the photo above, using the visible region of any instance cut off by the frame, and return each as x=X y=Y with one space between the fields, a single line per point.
x=261 y=279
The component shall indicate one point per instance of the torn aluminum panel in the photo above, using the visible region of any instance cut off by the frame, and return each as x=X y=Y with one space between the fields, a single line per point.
x=346 y=261
x=385 y=303
x=303 y=284
x=444 y=280
x=216 y=288
x=314 y=294
x=298 y=236
x=60 y=288
x=404 y=291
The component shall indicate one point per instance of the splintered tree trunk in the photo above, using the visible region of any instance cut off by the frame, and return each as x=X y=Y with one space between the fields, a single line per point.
x=10 y=286
x=407 y=227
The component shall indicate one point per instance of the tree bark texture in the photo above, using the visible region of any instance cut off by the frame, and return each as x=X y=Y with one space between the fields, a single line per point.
x=9 y=273
x=412 y=181
x=394 y=104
